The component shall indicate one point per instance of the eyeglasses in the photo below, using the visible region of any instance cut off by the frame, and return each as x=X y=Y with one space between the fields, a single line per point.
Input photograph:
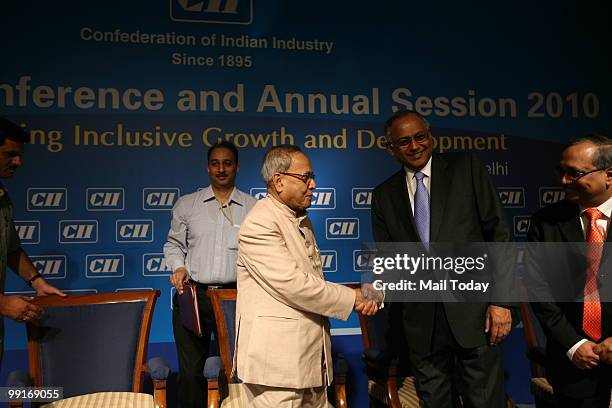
x=575 y=175
x=407 y=141
x=305 y=177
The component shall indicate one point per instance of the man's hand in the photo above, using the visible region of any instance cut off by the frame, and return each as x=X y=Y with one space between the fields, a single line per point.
x=178 y=278
x=19 y=308
x=604 y=351
x=365 y=307
x=43 y=288
x=498 y=322
x=585 y=357
x=368 y=292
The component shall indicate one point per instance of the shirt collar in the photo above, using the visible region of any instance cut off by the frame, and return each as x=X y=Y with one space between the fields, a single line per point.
x=605 y=208
x=425 y=170
x=286 y=210
x=237 y=198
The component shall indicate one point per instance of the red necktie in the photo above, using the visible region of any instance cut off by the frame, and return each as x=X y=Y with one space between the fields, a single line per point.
x=591 y=318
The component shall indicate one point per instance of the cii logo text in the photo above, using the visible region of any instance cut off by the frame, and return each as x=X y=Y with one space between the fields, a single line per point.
x=212 y=11
x=104 y=265
x=47 y=199
x=342 y=228
x=105 y=199
x=159 y=198
x=134 y=231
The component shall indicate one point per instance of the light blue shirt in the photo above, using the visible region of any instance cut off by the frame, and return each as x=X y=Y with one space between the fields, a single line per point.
x=203 y=239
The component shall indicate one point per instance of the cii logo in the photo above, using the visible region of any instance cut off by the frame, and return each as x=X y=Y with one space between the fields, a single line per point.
x=258 y=193
x=342 y=228
x=362 y=260
x=362 y=198
x=323 y=199
x=104 y=265
x=78 y=231
x=212 y=11
x=105 y=199
x=159 y=198
x=521 y=225
x=134 y=231
x=155 y=265
x=50 y=266
x=512 y=197
x=28 y=231
x=329 y=260
x=551 y=195
x=47 y=199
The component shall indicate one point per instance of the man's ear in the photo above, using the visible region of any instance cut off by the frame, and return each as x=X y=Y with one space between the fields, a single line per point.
x=277 y=183
x=609 y=177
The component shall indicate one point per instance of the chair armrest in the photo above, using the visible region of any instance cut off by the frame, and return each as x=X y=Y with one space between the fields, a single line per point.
x=216 y=377
x=17 y=378
x=341 y=370
x=158 y=369
x=159 y=372
x=212 y=366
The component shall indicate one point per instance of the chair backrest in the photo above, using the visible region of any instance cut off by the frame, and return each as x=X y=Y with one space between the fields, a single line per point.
x=373 y=328
x=534 y=337
x=91 y=343
x=224 y=307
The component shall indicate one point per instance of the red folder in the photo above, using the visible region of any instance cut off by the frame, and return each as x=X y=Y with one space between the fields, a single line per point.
x=188 y=302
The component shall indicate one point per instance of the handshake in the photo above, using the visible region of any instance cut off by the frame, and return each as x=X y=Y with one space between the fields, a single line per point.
x=368 y=300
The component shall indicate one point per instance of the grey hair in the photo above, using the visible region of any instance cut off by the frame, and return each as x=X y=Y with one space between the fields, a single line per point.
x=602 y=158
x=277 y=159
x=398 y=115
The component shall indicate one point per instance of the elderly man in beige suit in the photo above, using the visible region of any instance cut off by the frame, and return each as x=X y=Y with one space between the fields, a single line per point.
x=283 y=352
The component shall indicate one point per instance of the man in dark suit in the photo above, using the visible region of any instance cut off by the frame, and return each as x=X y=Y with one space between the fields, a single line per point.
x=444 y=198
x=579 y=333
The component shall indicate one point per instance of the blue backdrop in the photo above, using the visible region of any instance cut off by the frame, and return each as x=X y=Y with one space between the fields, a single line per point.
x=123 y=99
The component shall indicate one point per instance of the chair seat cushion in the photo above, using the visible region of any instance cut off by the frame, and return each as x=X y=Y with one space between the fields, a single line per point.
x=106 y=400
x=406 y=392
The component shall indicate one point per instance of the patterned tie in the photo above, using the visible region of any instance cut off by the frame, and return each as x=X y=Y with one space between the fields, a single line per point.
x=421 y=207
x=591 y=318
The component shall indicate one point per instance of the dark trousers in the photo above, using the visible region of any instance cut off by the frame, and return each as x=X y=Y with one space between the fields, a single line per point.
x=192 y=352
x=449 y=370
x=602 y=400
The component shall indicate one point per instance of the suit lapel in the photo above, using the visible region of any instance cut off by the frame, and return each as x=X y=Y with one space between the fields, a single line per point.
x=571 y=229
x=439 y=187
x=401 y=206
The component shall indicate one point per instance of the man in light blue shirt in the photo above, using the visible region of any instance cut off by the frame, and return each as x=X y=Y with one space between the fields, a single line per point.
x=202 y=247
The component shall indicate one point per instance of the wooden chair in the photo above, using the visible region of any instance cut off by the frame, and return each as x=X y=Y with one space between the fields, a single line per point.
x=226 y=391
x=94 y=346
x=386 y=384
x=536 y=352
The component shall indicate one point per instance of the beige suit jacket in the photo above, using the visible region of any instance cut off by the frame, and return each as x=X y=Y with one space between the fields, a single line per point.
x=282 y=336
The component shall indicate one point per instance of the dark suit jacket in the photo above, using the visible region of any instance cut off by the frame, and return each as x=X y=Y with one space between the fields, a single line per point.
x=464 y=207
x=562 y=321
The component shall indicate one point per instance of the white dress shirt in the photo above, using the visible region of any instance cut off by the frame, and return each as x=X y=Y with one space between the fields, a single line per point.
x=411 y=181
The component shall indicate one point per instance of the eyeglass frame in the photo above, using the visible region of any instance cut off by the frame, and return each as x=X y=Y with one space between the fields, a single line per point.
x=577 y=173
x=304 y=177
x=418 y=139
